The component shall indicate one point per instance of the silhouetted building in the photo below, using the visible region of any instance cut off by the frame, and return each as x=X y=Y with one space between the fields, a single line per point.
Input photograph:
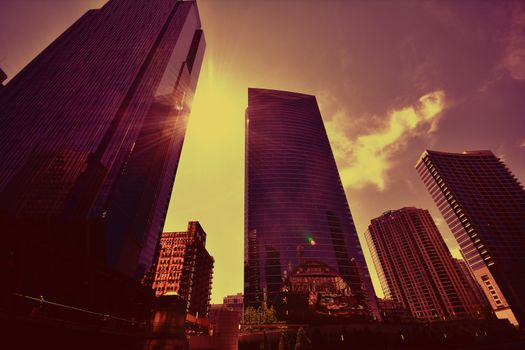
x=185 y=267
x=92 y=131
x=224 y=335
x=468 y=280
x=234 y=302
x=484 y=205
x=415 y=266
x=167 y=325
x=3 y=77
x=296 y=210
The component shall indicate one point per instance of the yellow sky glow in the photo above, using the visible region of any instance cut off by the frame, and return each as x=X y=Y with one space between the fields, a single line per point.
x=209 y=186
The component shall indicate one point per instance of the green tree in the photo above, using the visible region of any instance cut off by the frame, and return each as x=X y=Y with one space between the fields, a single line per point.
x=261 y=315
x=302 y=341
x=268 y=315
x=249 y=316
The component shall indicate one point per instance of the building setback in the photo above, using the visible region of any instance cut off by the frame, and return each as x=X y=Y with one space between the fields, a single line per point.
x=185 y=267
x=469 y=282
x=416 y=268
x=484 y=205
x=296 y=211
x=92 y=130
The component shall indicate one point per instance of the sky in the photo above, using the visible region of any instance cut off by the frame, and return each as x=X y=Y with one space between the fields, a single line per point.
x=392 y=78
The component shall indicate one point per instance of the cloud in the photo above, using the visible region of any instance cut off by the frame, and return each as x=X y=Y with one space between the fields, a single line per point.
x=366 y=160
x=514 y=57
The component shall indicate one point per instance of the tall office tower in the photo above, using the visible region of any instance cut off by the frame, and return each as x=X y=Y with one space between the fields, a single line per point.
x=92 y=131
x=484 y=205
x=296 y=212
x=415 y=266
x=185 y=267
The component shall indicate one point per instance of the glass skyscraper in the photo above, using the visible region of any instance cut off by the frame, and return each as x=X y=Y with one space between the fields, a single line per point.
x=296 y=211
x=484 y=205
x=92 y=130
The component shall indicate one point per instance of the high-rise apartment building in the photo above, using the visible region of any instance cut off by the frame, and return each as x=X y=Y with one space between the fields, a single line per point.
x=92 y=131
x=470 y=283
x=415 y=266
x=185 y=267
x=484 y=205
x=296 y=211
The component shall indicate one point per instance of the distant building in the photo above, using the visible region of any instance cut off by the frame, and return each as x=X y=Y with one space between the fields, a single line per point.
x=224 y=320
x=483 y=203
x=185 y=267
x=296 y=211
x=415 y=266
x=234 y=302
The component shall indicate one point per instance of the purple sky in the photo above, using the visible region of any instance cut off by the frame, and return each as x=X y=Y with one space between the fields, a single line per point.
x=368 y=63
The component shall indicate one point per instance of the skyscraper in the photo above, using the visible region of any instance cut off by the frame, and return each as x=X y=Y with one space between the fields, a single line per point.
x=296 y=212
x=92 y=131
x=484 y=205
x=415 y=266
x=470 y=283
x=185 y=267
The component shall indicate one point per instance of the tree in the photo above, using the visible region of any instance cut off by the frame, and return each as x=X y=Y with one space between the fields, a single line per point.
x=302 y=341
x=268 y=316
x=249 y=316
x=261 y=315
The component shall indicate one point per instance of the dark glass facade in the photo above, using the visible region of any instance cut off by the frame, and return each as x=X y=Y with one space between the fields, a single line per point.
x=92 y=131
x=484 y=205
x=296 y=210
x=416 y=268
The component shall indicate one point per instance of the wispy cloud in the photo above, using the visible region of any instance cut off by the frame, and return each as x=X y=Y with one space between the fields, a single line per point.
x=366 y=160
x=514 y=57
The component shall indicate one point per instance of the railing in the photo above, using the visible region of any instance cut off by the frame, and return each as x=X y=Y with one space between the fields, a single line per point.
x=32 y=309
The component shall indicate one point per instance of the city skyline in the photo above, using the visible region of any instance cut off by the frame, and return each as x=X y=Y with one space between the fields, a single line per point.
x=459 y=97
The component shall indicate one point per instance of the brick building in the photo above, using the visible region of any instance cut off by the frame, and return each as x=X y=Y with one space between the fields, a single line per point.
x=185 y=267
